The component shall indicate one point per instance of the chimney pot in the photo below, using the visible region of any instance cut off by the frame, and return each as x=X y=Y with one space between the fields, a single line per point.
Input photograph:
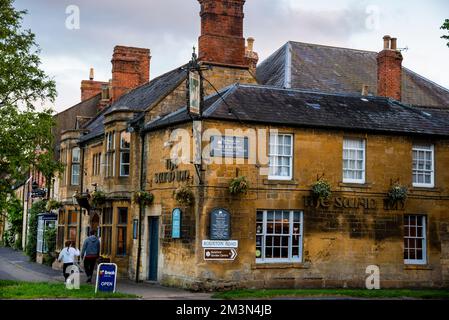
x=91 y=74
x=250 y=46
x=394 y=43
x=387 y=42
x=365 y=90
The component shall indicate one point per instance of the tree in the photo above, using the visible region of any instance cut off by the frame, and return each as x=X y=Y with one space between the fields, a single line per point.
x=36 y=208
x=14 y=215
x=445 y=26
x=25 y=133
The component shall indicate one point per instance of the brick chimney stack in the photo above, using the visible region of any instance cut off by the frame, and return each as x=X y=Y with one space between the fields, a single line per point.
x=389 y=70
x=130 y=69
x=90 y=88
x=221 y=41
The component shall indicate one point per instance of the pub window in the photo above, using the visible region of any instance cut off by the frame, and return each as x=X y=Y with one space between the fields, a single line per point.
x=354 y=160
x=125 y=143
x=122 y=223
x=415 y=239
x=61 y=229
x=423 y=166
x=72 y=222
x=110 y=154
x=279 y=236
x=106 y=231
x=281 y=156
x=75 y=166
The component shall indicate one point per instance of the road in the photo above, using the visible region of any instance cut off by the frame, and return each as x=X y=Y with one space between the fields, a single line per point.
x=14 y=265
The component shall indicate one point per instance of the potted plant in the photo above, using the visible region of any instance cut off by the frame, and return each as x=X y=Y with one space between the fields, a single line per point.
x=143 y=198
x=321 y=189
x=97 y=198
x=184 y=195
x=83 y=200
x=239 y=185
x=397 y=192
x=53 y=205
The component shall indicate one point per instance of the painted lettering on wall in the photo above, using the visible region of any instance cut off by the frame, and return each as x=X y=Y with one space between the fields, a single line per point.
x=172 y=175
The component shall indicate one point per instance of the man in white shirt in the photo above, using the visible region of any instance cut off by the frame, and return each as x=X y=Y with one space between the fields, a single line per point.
x=67 y=256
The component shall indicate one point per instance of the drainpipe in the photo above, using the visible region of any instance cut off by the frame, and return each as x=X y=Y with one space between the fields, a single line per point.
x=141 y=208
x=81 y=187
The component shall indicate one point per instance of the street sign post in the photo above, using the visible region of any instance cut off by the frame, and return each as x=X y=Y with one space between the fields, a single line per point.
x=106 y=277
x=220 y=254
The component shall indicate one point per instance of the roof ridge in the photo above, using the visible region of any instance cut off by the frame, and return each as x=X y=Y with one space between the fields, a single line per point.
x=329 y=46
x=75 y=105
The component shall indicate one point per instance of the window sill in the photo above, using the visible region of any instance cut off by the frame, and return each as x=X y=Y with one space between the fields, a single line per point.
x=282 y=182
x=366 y=185
x=281 y=265
x=417 y=267
x=425 y=189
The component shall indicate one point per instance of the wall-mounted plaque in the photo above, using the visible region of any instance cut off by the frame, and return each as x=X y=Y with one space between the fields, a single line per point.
x=229 y=147
x=220 y=225
x=176 y=224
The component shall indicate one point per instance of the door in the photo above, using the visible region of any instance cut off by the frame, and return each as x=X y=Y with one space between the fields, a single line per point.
x=153 y=246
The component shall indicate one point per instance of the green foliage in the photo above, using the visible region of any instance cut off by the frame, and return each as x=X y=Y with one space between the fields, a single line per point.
x=397 y=192
x=184 y=195
x=44 y=290
x=239 y=185
x=36 y=208
x=321 y=189
x=14 y=216
x=98 y=198
x=361 y=293
x=50 y=239
x=25 y=134
x=445 y=26
x=143 y=198
x=53 y=205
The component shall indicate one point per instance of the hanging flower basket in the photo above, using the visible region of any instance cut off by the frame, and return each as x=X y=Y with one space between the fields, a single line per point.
x=239 y=185
x=83 y=200
x=143 y=198
x=321 y=189
x=397 y=193
x=97 y=198
x=53 y=205
x=184 y=195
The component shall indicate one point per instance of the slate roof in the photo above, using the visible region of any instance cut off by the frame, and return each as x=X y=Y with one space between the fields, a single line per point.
x=137 y=99
x=340 y=70
x=308 y=109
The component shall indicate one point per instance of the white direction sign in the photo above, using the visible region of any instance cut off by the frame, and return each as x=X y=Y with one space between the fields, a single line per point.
x=220 y=243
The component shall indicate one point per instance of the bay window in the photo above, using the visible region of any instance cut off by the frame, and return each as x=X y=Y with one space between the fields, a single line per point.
x=75 y=180
x=125 y=143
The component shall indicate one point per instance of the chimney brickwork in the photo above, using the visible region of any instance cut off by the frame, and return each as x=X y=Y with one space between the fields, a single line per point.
x=389 y=70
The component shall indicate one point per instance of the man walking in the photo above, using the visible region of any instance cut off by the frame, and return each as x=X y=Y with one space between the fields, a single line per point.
x=90 y=253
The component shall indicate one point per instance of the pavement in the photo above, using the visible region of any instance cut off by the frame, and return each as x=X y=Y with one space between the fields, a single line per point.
x=15 y=265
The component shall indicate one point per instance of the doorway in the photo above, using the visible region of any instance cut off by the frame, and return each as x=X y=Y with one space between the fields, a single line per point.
x=153 y=247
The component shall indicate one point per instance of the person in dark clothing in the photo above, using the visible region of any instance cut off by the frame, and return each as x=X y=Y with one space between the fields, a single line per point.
x=90 y=254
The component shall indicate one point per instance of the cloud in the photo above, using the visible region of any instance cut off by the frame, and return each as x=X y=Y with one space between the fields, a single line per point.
x=171 y=27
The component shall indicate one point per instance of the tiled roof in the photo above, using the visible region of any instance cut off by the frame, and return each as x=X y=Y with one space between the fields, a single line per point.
x=137 y=99
x=340 y=70
x=299 y=108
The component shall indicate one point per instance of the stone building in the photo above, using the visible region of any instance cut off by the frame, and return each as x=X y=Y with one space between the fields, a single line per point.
x=308 y=113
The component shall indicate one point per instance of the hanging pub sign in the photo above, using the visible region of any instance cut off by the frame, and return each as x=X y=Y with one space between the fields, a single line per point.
x=194 y=93
x=176 y=224
x=229 y=147
x=220 y=224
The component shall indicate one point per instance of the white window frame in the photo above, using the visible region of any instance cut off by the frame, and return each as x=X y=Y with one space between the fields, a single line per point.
x=78 y=163
x=423 y=239
x=348 y=180
x=277 y=135
x=291 y=222
x=124 y=150
x=416 y=147
x=110 y=149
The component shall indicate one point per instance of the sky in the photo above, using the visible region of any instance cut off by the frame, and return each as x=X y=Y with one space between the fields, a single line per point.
x=170 y=28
